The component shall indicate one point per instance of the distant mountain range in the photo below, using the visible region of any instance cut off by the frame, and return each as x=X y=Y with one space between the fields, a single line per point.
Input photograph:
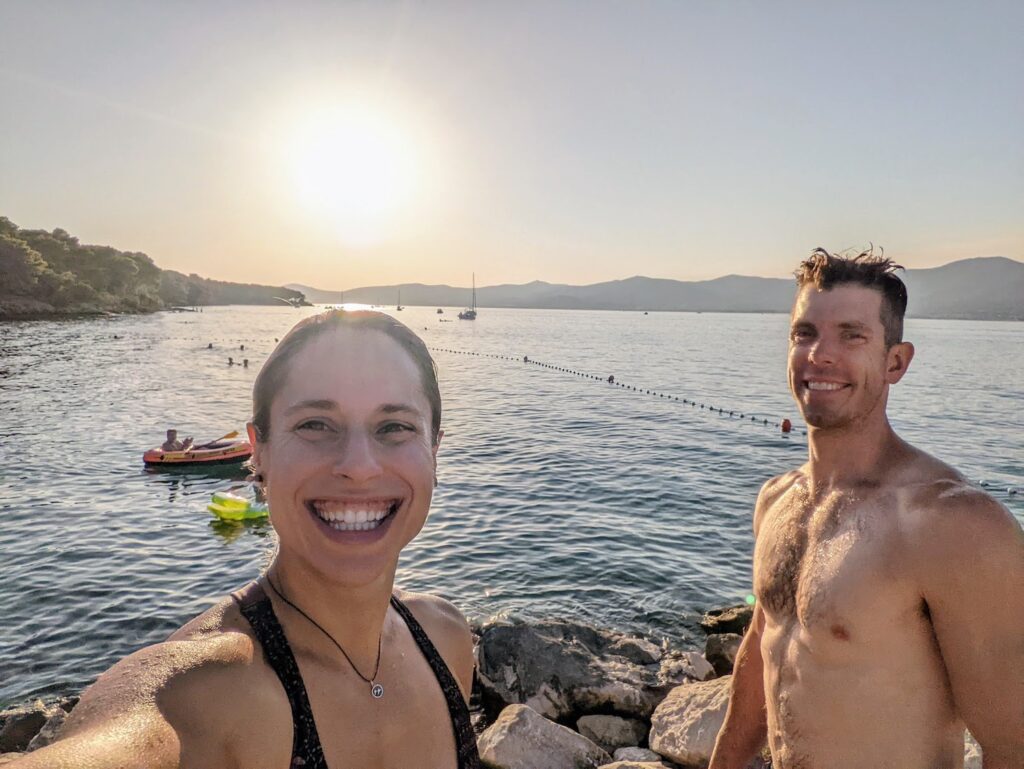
x=983 y=288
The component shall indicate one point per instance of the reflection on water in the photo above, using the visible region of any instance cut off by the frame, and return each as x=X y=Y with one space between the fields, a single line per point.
x=558 y=496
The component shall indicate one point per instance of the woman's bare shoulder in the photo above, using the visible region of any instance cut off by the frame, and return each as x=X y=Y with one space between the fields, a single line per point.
x=183 y=696
x=447 y=629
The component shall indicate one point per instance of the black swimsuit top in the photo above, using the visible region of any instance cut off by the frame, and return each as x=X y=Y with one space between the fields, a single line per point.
x=306 y=749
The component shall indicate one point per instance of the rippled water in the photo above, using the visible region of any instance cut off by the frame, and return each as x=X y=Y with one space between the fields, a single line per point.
x=559 y=495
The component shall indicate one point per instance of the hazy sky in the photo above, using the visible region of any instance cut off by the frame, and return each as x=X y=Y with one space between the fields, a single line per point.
x=341 y=144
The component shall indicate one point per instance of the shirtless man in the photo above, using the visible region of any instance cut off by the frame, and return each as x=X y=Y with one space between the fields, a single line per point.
x=890 y=592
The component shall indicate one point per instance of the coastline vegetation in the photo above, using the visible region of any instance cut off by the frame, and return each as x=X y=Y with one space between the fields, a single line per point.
x=45 y=274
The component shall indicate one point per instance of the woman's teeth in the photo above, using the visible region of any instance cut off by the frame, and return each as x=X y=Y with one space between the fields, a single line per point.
x=351 y=518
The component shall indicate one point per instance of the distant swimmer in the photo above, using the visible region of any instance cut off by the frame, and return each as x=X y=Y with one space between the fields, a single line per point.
x=173 y=444
x=526 y=359
x=241 y=347
x=209 y=346
x=611 y=379
x=231 y=361
x=889 y=590
x=245 y=363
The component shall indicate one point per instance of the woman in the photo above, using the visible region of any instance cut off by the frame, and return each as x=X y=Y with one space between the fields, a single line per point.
x=320 y=662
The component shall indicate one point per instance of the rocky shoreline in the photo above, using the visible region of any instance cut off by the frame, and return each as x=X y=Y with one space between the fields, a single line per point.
x=561 y=695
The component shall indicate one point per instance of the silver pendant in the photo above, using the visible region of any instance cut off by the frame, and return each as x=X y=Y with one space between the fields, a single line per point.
x=377 y=691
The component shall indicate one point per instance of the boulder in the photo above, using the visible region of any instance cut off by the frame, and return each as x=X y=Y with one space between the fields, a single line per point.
x=687 y=666
x=972 y=752
x=686 y=723
x=639 y=755
x=733 y=619
x=612 y=732
x=50 y=730
x=521 y=738
x=21 y=724
x=720 y=650
x=567 y=669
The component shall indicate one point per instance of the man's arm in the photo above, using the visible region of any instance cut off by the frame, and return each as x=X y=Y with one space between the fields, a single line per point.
x=746 y=723
x=746 y=727
x=970 y=558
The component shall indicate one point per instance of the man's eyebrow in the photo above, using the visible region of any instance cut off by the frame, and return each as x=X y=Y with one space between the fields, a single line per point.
x=854 y=325
x=320 y=405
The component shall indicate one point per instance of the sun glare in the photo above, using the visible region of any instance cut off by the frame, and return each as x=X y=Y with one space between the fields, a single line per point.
x=354 y=167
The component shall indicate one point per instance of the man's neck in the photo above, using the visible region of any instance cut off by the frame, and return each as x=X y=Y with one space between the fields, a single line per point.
x=353 y=616
x=851 y=455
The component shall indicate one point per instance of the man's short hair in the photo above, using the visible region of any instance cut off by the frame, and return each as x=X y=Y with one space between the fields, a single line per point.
x=825 y=271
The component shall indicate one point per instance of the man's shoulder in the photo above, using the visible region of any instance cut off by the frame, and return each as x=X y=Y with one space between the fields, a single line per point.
x=778 y=485
x=942 y=511
x=772 y=491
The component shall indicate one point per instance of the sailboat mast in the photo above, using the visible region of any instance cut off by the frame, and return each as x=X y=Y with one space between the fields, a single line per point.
x=474 y=291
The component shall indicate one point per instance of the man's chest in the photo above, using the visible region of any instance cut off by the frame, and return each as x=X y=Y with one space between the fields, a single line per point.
x=834 y=566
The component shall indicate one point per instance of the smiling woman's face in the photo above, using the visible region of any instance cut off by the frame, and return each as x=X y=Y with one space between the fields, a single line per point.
x=349 y=462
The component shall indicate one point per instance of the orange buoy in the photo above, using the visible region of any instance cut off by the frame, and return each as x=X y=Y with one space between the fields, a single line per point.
x=786 y=425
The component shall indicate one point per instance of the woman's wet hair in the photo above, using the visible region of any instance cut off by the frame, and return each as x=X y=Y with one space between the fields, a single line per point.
x=275 y=370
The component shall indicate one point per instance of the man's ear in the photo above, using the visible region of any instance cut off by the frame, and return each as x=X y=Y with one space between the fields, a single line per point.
x=898 y=361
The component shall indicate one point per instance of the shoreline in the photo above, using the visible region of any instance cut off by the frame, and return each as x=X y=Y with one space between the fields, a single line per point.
x=559 y=693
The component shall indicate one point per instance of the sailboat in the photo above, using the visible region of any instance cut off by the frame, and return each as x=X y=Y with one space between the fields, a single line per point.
x=399 y=306
x=470 y=312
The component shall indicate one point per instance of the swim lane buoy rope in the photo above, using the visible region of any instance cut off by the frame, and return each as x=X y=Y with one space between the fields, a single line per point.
x=784 y=425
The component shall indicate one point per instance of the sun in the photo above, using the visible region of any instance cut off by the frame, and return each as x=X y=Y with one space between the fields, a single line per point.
x=355 y=167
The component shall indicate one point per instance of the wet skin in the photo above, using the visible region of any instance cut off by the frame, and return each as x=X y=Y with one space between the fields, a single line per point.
x=876 y=569
x=350 y=428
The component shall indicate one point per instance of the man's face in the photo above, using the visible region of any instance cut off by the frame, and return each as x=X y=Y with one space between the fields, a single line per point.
x=839 y=367
x=172 y=435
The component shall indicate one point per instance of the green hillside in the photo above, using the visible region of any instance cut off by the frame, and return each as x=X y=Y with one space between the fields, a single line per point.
x=50 y=273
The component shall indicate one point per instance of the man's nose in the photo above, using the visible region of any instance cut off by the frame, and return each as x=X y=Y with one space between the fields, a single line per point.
x=823 y=351
x=357 y=457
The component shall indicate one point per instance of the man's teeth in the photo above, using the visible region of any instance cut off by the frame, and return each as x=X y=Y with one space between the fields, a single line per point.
x=352 y=518
x=827 y=386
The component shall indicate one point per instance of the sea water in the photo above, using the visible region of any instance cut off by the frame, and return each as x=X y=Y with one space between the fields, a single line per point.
x=560 y=495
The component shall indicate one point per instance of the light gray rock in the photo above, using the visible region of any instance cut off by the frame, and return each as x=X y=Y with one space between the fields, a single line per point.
x=720 y=650
x=521 y=738
x=635 y=754
x=686 y=723
x=972 y=752
x=636 y=765
x=612 y=732
x=687 y=666
x=567 y=669
x=50 y=730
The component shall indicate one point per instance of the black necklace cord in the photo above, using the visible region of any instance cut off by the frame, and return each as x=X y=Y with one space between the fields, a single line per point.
x=372 y=679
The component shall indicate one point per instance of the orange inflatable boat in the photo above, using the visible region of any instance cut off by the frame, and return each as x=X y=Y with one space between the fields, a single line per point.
x=217 y=453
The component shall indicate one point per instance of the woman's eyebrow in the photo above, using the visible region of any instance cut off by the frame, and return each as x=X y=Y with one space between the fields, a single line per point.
x=321 y=405
x=392 y=408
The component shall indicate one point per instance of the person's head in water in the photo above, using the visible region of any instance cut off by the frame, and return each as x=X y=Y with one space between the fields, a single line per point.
x=846 y=337
x=345 y=431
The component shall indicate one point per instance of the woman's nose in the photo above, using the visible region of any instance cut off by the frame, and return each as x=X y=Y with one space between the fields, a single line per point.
x=357 y=458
